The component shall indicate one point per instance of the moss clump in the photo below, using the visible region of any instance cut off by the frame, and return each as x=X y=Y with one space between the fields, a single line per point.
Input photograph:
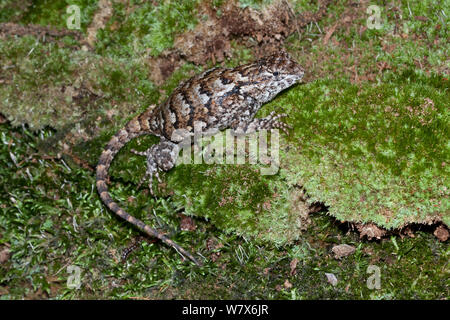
x=376 y=152
x=237 y=198
x=78 y=93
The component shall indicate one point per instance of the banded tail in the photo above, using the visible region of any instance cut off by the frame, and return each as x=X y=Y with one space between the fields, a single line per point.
x=136 y=127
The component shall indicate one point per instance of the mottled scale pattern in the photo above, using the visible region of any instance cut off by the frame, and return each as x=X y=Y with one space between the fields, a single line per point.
x=218 y=99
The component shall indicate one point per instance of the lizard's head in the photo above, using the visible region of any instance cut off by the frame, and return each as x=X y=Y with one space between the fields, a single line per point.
x=279 y=71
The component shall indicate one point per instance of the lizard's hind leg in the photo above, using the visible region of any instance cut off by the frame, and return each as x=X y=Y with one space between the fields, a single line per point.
x=160 y=157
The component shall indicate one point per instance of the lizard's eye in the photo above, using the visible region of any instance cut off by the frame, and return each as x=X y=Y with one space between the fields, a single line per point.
x=276 y=73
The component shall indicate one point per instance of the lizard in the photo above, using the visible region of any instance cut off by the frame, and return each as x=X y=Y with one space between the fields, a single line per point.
x=219 y=98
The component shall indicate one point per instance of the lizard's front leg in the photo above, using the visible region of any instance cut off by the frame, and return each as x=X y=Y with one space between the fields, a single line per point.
x=266 y=123
x=160 y=157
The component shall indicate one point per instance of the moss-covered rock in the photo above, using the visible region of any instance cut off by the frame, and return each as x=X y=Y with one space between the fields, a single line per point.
x=371 y=153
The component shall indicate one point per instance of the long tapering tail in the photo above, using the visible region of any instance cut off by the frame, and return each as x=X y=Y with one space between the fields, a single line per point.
x=132 y=130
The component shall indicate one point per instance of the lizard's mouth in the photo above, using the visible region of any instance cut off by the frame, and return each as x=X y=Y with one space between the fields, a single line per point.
x=299 y=74
x=290 y=80
x=299 y=77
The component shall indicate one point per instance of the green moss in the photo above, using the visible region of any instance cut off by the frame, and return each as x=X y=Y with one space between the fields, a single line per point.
x=45 y=12
x=10 y=11
x=372 y=153
x=255 y=4
x=354 y=52
x=433 y=23
x=229 y=193
x=147 y=28
x=60 y=88
x=51 y=216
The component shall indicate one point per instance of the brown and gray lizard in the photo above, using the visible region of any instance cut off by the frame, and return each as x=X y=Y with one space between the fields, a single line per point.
x=218 y=98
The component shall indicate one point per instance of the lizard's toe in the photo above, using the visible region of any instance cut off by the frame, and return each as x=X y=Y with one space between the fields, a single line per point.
x=139 y=153
x=272 y=122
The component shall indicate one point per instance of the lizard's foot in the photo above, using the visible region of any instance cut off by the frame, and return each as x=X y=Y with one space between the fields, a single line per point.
x=152 y=169
x=272 y=121
x=160 y=157
x=139 y=153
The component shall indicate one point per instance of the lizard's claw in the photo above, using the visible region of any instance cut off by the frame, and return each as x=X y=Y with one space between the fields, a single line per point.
x=157 y=176
x=152 y=170
x=139 y=153
x=272 y=122
x=142 y=180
